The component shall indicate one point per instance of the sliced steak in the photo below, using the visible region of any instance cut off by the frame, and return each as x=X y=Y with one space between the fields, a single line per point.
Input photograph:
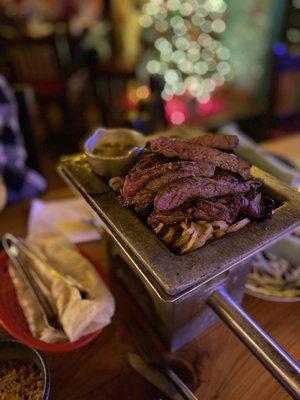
x=163 y=174
x=167 y=218
x=190 y=150
x=254 y=210
x=205 y=210
x=144 y=198
x=202 y=210
x=175 y=194
x=222 y=142
x=148 y=160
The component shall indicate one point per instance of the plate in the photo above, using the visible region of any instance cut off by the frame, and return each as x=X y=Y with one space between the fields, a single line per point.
x=277 y=278
x=13 y=320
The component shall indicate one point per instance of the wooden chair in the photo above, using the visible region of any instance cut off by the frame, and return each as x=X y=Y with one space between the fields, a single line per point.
x=110 y=84
x=27 y=116
x=45 y=64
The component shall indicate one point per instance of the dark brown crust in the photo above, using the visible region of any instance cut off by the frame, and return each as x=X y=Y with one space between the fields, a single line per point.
x=167 y=218
x=205 y=210
x=225 y=209
x=183 y=190
x=221 y=142
x=163 y=174
x=148 y=160
x=190 y=150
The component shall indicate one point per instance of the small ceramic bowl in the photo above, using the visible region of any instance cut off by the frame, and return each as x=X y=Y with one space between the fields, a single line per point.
x=11 y=349
x=113 y=166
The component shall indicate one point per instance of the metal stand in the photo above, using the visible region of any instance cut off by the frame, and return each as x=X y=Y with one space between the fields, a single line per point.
x=266 y=350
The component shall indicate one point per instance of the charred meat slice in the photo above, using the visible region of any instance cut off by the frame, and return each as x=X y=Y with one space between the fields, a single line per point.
x=162 y=174
x=144 y=198
x=148 y=160
x=246 y=204
x=167 y=218
x=175 y=194
x=253 y=210
x=204 y=210
x=189 y=150
x=222 y=142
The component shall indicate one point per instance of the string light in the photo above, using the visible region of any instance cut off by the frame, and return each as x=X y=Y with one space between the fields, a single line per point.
x=135 y=94
x=177 y=117
x=190 y=58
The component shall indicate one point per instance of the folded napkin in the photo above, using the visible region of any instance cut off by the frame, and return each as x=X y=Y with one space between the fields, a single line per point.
x=254 y=153
x=78 y=316
x=68 y=217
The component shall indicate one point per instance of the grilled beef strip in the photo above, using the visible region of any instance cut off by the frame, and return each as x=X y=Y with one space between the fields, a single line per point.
x=247 y=204
x=189 y=150
x=225 y=208
x=221 y=142
x=167 y=218
x=143 y=199
x=148 y=160
x=163 y=174
x=253 y=210
x=177 y=193
x=205 y=210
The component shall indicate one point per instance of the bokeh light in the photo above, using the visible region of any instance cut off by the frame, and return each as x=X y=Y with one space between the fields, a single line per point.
x=177 y=117
x=190 y=58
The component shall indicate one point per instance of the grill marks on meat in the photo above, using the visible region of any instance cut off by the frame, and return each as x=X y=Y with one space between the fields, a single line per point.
x=191 y=150
x=181 y=191
x=148 y=160
x=222 y=142
x=210 y=211
x=226 y=208
x=167 y=218
x=154 y=177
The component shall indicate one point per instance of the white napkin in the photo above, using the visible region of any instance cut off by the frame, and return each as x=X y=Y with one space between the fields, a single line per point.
x=78 y=316
x=67 y=217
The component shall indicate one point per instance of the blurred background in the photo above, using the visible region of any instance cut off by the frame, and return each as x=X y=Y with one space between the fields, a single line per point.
x=150 y=65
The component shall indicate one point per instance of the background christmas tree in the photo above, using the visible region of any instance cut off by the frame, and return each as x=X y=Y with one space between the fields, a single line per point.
x=187 y=51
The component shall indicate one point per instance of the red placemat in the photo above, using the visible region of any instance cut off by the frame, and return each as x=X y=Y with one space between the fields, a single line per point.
x=13 y=319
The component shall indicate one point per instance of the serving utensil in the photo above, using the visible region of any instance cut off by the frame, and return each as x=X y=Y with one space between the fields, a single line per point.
x=154 y=376
x=21 y=245
x=155 y=360
x=179 y=292
x=19 y=253
x=17 y=257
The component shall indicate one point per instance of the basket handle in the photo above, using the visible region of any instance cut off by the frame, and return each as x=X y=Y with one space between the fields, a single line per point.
x=266 y=350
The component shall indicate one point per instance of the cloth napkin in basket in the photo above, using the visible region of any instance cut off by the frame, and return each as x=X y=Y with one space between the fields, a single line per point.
x=78 y=316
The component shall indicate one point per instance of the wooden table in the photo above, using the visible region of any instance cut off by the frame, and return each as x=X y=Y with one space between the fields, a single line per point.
x=287 y=147
x=219 y=366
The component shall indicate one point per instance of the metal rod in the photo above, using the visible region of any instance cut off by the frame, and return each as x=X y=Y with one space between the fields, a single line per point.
x=269 y=353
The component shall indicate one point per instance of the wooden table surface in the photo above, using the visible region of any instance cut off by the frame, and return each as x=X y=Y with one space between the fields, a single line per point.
x=287 y=147
x=219 y=366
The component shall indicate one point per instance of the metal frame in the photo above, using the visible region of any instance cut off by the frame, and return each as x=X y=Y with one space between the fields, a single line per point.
x=178 y=273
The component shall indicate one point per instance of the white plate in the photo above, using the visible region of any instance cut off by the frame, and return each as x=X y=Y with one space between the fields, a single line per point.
x=289 y=249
